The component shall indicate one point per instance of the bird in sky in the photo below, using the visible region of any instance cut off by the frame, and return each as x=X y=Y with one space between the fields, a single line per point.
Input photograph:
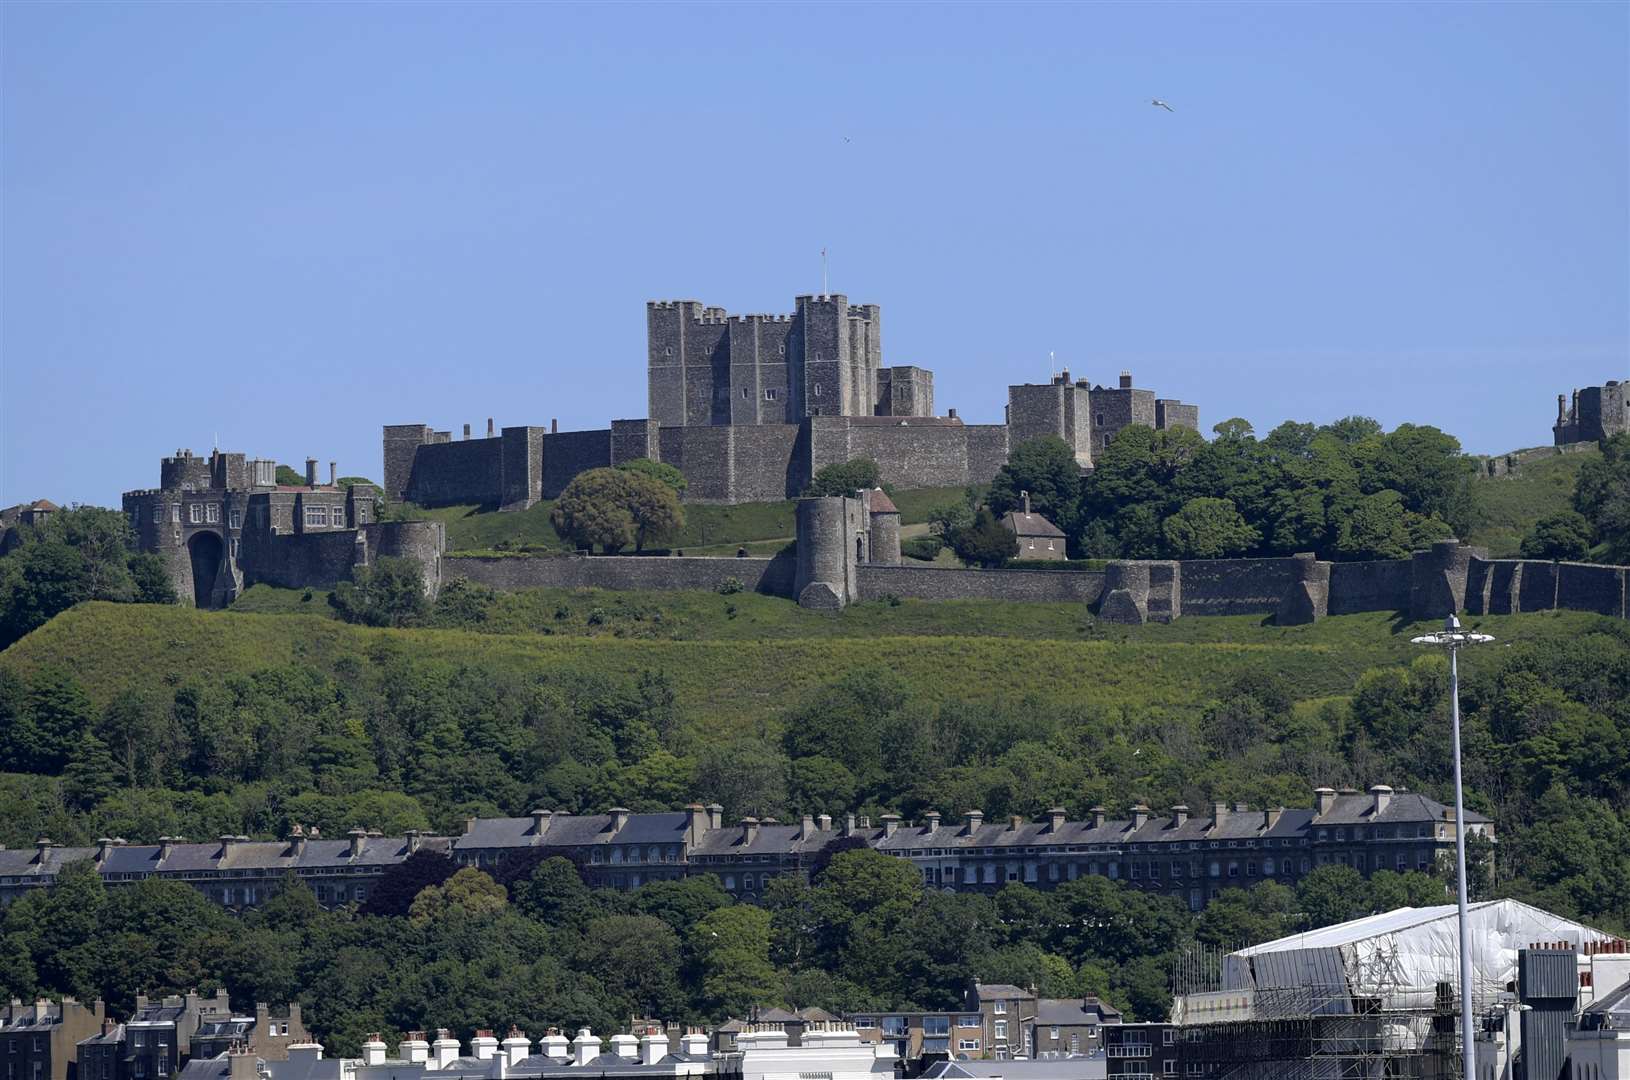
x=847 y=139
x=1161 y=104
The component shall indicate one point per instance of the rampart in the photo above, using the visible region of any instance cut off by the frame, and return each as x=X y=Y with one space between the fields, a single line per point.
x=321 y=560
x=947 y=583
x=622 y=572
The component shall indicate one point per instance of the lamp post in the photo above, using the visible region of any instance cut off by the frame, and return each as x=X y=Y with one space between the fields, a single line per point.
x=1453 y=638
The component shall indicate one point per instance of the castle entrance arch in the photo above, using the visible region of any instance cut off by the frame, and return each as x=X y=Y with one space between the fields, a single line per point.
x=206 y=552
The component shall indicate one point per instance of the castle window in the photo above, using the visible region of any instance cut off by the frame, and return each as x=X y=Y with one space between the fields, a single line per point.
x=316 y=516
x=175 y=513
x=158 y=513
x=817 y=389
x=195 y=513
x=212 y=514
x=771 y=393
x=746 y=393
x=668 y=351
x=234 y=519
x=783 y=349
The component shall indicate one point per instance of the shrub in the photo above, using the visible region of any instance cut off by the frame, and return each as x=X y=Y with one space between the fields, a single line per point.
x=845 y=478
x=1564 y=535
x=389 y=593
x=985 y=543
x=729 y=586
x=925 y=548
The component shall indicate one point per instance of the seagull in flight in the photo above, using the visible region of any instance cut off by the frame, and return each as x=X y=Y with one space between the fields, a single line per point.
x=1161 y=104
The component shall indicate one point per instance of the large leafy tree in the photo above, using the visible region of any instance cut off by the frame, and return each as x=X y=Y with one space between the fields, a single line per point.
x=1047 y=469
x=985 y=543
x=1564 y=535
x=613 y=508
x=730 y=951
x=1208 y=529
x=1602 y=494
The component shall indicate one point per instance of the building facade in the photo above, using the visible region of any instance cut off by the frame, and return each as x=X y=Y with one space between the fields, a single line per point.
x=40 y=1041
x=1596 y=413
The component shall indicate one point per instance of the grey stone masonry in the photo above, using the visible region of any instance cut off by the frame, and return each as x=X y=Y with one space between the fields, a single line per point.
x=1596 y=413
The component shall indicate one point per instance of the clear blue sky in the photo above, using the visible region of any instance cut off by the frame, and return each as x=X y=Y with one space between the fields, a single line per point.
x=284 y=226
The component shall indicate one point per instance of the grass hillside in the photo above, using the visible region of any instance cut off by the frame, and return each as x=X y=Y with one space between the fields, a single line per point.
x=709 y=530
x=1508 y=506
x=733 y=673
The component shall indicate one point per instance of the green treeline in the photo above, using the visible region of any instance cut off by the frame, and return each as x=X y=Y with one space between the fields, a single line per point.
x=396 y=739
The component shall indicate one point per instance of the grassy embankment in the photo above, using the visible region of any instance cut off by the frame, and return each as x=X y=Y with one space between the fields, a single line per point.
x=1508 y=506
x=732 y=672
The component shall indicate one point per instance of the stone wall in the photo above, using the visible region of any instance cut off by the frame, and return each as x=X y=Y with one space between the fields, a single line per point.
x=567 y=453
x=457 y=473
x=1369 y=586
x=946 y=583
x=771 y=576
x=1507 y=586
x=1237 y=586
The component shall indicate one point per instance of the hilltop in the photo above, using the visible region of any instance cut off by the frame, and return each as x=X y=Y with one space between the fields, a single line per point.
x=1537 y=487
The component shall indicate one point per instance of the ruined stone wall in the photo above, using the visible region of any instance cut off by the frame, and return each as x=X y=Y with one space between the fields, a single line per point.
x=1236 y=586
x=1507 y=586
x=947 y=583
x=1382 y=585
x=567 y=453
x=772 y=576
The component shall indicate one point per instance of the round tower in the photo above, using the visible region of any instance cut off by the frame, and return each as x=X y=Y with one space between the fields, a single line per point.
x=822 y=578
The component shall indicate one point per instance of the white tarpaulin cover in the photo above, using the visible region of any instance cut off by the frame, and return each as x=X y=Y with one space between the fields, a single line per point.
x=1398 y=958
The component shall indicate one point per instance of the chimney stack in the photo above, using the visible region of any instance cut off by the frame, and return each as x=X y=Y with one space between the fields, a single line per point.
x=516 y=1047
x=413 y=1049
x=1219 y=813
x=373 y=1051
x=891 y=823
x=950 y=414
x=586 y=1047
x=540 y=821
x=1561 y=408
x=311 y=472
x=749 y=830
x=1383 y=796
x=297 y=840
x=715 y=816
x=1126 y=380
x=806 y=828
x=1098 y=816
x=489 y=427
x=485 y=1044
x=1140 y=816
x=243 y=1065
x=444 y=1051
x=1024 y=497
x=357 y=837
x=619 y=818
x=653 y=1047
x=104 y=848
x=555 y=1045
x=554 y=426
x=1055 y=819
x=1180 y=815
x=1270 y=818
x=625 y=1046
x=848 y=825
x=972 y=821
x=931 y=820
x=466 y=432
x=697 y=815
x=823 y=822
x=166 y=845
x=1014 y=821
x=695 y=1044
x=1324 y=799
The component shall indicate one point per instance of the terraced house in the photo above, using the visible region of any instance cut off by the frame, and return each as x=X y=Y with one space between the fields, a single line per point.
x=1191 y=857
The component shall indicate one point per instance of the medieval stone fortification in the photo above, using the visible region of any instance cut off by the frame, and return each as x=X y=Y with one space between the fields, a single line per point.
x=1597 y=413
x=223 y=523
x=750 y=407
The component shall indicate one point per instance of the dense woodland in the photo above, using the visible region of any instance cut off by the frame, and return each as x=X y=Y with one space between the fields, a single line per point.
x=391 y=736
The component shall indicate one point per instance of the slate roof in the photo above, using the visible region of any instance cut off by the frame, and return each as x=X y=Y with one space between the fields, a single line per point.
x=1019 y=523
x=1059 y=1068
x=1403 y=806
x=574 y=830
x=113 y=1036
x=774 y=839
x=1000 y=991
x=1614 y=1004
x=1076 y=1012
x=192 y=858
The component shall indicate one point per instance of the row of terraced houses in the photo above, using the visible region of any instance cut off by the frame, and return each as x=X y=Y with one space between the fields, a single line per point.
x=1190 y=856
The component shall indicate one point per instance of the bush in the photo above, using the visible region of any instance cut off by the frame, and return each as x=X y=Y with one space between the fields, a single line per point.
x=846 y=478
x=389 y=593
x=730 y=586
x=1562 y=536
x=985 y=543
x=925 y=548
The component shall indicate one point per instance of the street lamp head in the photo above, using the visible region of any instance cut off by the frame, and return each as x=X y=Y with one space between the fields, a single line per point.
x=1452 y=623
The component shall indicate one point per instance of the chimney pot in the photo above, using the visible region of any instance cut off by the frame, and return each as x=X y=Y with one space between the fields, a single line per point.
x=466 y=431
x=891 y=823
x=1099 y=814
x=1382 y=796
x=931 y=820
x=1180 y=815
x=489 y=427
x=311 y=472
x=1324 y=799
x=1055 y=819
x=823 y=822
x=1126 y=380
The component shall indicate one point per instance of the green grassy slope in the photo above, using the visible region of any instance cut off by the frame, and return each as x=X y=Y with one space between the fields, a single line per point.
x=729 y=683
x=1508 y=506
x=708 y=529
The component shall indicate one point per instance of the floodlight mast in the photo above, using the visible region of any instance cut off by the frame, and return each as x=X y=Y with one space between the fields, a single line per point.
x=1453 y=638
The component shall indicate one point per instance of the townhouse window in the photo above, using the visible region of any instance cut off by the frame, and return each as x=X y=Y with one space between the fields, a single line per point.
x=1177 y=868
x=817 y=389
x=1052 y=871
x=967 y=1044
x=936 y=1025
x=730 y=882
x=597 y=856
x=1216 y=868
x=653 y=854
x=195 y=513
x=1250 y=868
x=1136 y=870
x=212 y=513
x=1167 y=1036
x=999 y=1008
x=1075 y=868
x=990 y=873
x=1233 y=869
x=1114 y=871
x=865 y=1023
x=1154 y=868
x=1168 y=1067
x=970 y=1021
x=1267 y=867
x=1013 y=871
x=1001 y=1030
x=1052 y=1032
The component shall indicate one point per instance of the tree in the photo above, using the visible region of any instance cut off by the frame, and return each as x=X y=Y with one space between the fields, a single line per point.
x=746 y=776
x=89 y=777
x=845 y=478
x=389 y=593
x=1331 y=894
x=986 y=543
x=393 y=896
x=468 y=893
x=1602 y=494
x=288 y=477
x=1208 y=529
x=1047 y=469
x=1353 y=430
x=613 y=508
x=656 y=470
x=1563 y=536
x=1376 y=529
x=730 y=949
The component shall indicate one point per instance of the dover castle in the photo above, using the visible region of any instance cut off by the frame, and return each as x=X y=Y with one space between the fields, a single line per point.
x=750 y=407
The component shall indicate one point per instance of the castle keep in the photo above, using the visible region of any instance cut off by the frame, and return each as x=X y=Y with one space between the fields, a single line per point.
x=223 y=523
x=1597 y=413
x=750 y=407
